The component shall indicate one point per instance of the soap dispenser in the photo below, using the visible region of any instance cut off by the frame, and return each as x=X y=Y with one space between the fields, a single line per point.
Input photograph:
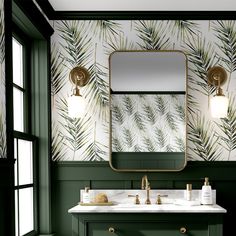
x=86 y=195
x=206 y=194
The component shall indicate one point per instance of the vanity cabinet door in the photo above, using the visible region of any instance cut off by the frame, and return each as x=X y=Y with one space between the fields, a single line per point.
x=108 y=224
x=146 y=229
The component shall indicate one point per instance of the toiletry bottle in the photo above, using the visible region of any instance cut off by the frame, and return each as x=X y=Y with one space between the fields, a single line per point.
x=206 y=194
x=86 y=195
x=188 y=192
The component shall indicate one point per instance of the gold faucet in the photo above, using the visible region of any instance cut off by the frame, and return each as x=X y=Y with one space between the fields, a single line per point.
x=146 y=185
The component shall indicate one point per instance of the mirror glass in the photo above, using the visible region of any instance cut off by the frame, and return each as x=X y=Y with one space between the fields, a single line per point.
x=148 y=110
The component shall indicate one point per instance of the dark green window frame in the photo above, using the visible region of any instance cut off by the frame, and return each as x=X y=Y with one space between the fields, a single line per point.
x=31 y=138
x=26 y=134
x=25 y=41
x=27 y=17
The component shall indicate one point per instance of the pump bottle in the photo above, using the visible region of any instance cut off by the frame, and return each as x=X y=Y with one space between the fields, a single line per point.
x=206 y=193
x=86 y=195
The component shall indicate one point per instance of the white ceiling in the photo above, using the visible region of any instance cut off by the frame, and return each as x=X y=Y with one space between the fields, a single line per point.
x=143 y=5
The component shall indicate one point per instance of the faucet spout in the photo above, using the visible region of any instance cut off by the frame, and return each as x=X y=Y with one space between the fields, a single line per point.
x=146 y=185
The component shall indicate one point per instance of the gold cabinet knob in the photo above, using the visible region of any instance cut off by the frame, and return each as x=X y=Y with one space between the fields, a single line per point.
x=111 y=230
x=183 y=230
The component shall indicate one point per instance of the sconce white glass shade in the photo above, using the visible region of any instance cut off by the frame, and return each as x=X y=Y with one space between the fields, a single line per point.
x=76 y=106
x=219 y=106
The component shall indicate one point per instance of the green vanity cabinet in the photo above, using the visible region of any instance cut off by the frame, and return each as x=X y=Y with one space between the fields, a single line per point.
x=147 y=224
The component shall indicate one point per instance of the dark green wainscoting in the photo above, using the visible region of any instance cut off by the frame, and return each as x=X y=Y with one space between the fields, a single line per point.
x=153 y=160
x=69 y=177
x=6 y=197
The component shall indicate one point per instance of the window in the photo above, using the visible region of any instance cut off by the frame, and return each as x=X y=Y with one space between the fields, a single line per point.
x=18 y=85
x=24 y=142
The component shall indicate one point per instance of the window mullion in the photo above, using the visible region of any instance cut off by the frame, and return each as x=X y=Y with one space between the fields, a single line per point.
x=19 y=88
x=22 y=186
x=26 y=82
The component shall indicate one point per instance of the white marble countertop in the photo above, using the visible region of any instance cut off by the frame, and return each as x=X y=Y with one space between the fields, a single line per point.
x=154 y=208
x=173 y=203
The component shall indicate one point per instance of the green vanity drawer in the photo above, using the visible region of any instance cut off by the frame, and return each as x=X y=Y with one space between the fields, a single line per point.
x=146 y=229
x=131 y=224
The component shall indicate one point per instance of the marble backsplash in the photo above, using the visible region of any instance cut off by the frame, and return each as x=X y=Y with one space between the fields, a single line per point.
x=167 y=196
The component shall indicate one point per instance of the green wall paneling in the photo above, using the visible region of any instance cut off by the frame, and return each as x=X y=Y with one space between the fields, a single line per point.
x=69 y=177
x=101 y=184
x=135 y=160
x=6 y=197
x=66 y=196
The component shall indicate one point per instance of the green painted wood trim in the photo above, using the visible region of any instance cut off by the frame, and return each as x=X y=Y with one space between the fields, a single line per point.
x=75 y=226
x=41 y=128
x=39 y=31
x=35 y=16
x=133 y=15
x=46 y=7
x=73 y=170
x=172 y=161
x=23 y=22
x=142 y=15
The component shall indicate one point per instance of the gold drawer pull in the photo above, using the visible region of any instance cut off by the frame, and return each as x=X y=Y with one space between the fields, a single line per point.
x=183 y=230
x=111 y=230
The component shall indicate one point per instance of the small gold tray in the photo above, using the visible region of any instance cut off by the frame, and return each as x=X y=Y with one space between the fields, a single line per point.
x=96 y=204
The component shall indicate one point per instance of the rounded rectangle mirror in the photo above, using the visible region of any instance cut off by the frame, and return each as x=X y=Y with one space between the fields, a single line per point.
x=148 y=94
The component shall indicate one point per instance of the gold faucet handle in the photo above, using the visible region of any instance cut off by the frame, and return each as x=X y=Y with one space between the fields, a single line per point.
x=136 y=201
x=159 y=198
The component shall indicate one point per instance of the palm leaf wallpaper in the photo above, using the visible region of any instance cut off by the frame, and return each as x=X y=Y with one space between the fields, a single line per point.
x=2 y=84
x=89 y=44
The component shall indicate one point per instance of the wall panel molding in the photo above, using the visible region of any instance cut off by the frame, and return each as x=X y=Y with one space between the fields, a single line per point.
x=101 y=170
x=69 y=177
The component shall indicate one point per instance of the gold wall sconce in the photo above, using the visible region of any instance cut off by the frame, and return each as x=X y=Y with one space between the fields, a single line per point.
x=79 y=77
x=219 y=103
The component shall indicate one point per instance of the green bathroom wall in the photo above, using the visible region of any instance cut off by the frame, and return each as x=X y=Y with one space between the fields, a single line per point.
x=89 y=44
x=2 y=84
x=71 y=176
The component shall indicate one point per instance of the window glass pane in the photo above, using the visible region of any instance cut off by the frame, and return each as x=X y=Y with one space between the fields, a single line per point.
x=18 y=110
x=26 y=213
x=17 y=58
x=16 y=212
x=25 y=162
